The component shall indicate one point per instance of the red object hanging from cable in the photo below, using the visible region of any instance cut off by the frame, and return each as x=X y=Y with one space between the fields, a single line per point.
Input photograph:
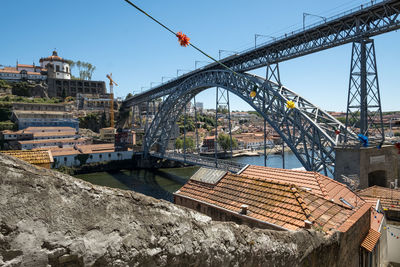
x=183 y=39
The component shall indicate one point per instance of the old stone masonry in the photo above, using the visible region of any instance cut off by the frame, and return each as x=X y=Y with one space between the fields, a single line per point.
x=51 y=219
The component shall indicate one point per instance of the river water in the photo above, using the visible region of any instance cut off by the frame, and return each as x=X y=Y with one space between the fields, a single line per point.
x=162 y=183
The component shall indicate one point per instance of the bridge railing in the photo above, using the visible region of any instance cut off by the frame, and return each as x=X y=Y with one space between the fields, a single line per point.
x=315 y=25
x=202 y=161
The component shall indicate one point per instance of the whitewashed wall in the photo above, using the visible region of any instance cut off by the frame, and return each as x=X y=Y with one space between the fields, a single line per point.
x=70 y=160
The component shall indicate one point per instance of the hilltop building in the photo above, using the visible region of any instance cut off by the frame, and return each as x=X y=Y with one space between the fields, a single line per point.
x=55 y=71
x=57 y=67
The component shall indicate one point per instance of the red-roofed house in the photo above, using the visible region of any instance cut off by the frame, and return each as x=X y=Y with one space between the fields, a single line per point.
x=284 y=200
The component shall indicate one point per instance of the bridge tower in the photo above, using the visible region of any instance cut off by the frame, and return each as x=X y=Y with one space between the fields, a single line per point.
x=364 y=112
x=357 y=166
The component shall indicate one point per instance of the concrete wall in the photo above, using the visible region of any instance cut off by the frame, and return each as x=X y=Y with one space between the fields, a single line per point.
x=392 y=242
x=362 y=161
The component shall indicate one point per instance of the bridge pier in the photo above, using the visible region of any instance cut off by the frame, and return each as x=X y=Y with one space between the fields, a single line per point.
x=362 y=167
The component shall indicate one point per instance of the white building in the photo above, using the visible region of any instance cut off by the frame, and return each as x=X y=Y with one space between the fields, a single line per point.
x=22 y=73
x=45 y=143
x=56 y=66
x=94 y=153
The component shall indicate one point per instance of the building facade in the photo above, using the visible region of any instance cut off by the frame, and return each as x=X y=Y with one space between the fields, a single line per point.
x=67 y=87
x=57 y=67
x=28 y=118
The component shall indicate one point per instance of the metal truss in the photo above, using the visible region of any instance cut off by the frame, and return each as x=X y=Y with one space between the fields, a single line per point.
x=364 y=113
x=222 y=104
x=227 y=165
x=363 y=22
x=310 y=132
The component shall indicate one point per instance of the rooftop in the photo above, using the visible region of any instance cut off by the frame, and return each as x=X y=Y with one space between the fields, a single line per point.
x=49 y=134
x=61 y=140
x=30 y=156
x=50 y=129
x=280 y=203
x=314 y=182
x=82 y=149
x=389 y=198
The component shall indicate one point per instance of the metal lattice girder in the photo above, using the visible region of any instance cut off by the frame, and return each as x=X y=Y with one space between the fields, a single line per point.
x=306 y=129
x=364 y=112
x=363 y=22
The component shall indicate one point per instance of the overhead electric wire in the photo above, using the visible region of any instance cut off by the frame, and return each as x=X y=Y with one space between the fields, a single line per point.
x=171 y=31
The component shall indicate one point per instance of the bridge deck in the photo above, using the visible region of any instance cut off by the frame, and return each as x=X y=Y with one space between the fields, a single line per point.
x=227 y=165
x=363 y=22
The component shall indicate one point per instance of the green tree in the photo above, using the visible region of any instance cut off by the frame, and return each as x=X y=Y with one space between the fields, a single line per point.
x=21 y=89
x=82 y=158
x=129 y=95
x=189 y=143
x=224 y=141
x=103 y=120
x=4 y=84
x=178 y=143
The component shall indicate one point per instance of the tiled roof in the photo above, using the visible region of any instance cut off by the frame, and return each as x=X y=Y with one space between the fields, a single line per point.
x=390 y=198
x=30 y=156
x=279 y=203
x=59 y=141
x=359 y=212
x=82 y=149
x=46 y=134
x=50 y=129
x=370 y=240
x=318 y=183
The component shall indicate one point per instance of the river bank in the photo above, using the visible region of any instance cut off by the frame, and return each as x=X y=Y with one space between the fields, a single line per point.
x=161 y=183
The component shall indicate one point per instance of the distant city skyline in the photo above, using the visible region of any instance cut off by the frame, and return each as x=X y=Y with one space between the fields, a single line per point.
x=116 y=38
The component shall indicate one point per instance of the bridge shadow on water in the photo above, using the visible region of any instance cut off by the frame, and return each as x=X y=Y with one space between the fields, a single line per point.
x=155 y=183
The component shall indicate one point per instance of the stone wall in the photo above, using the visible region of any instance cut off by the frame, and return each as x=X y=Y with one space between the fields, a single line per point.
x=220 y=214
x=361 y=162
x=49 y=218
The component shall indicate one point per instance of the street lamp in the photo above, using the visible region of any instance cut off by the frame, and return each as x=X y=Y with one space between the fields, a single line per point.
x=308 y=14
x=261 y=35
x=179 y=70
x=166 y=77
x=200 y=61
x=228 y=51
x=151 y=84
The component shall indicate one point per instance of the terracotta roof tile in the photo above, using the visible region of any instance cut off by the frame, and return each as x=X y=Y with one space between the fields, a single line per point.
x=390 y=198
x=318 y=183
x=370 y=240
x=355 y=217
x=276 y=202
x=31 y=156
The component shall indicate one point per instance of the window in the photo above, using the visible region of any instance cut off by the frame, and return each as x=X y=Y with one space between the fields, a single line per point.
x=57 y=68
x=109 y=155
x=100 y=156
x=65 y=158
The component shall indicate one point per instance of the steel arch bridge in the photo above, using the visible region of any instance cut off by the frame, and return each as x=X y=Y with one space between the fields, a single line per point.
x=310 y=132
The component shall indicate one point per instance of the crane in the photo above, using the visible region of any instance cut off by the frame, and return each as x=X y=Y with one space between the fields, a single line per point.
x=109 y=76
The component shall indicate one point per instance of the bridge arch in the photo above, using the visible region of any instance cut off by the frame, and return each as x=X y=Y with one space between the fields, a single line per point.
x=310 y=132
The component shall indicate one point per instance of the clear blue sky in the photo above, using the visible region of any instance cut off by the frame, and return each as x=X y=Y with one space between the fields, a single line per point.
x=116 y=38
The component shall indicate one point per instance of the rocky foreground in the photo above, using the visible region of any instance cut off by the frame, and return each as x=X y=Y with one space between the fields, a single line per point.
x=51 y=219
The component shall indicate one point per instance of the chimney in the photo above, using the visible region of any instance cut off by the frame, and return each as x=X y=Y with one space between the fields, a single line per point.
x=244 y=209
x=307 y=224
